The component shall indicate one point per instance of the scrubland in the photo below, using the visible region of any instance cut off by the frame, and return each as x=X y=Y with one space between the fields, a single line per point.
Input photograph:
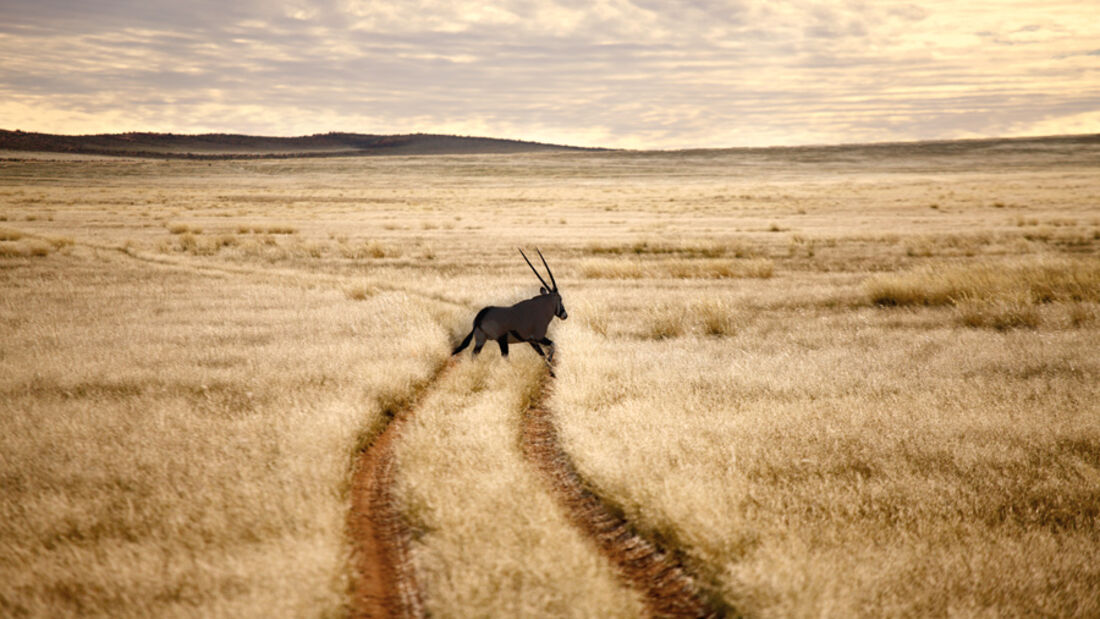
x=842 y=385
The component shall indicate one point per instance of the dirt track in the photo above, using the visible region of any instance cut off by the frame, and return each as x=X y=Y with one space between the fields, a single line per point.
x=384 y=582
x=668 y=587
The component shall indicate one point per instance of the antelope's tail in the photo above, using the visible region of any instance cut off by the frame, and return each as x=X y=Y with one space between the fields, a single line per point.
x=464 y=344
x=470 y=335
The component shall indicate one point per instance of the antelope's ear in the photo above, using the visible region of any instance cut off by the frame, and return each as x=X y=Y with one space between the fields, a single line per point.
x=542 y=290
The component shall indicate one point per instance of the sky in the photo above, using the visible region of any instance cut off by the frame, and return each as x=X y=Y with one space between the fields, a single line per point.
x=646 y=74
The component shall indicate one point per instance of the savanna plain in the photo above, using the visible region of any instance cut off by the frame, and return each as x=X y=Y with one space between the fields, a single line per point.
x=858 y=381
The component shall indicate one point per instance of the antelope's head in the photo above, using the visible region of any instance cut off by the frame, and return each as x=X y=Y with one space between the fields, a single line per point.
x=548 y=290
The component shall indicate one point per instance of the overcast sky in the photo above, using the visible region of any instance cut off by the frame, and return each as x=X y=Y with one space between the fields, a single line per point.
x=619 y=73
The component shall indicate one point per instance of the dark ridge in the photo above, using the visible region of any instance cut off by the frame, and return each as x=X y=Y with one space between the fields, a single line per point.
x=1081 y=148
x=232 y=146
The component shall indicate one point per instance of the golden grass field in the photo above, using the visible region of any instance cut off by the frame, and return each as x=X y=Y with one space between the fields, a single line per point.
x=864 y=383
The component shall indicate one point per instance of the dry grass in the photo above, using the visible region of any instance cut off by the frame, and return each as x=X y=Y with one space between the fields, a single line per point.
x=266 y=229
x=708 y=317
x=779 y=466
x=368 y=249
x=1001 y=295
x=280 y=229
x=778 y=373
x=1032 y=281
x=1000 y=314
x=27 y=248
x=180 y=228
x=166 y=450
x=360 y=292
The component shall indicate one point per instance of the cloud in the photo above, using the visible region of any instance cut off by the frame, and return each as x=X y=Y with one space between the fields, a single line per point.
x=638 y=73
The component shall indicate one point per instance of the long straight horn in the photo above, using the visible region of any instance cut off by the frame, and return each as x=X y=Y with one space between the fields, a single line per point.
x=545 y=285
x=548 y=271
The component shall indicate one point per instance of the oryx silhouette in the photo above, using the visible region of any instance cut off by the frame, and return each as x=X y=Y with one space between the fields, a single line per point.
x=525 y=321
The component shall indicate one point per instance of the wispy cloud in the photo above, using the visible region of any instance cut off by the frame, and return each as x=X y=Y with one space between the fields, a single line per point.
x=633 y=73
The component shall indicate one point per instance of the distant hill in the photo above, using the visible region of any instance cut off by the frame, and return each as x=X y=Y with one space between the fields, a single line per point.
x=231 y=146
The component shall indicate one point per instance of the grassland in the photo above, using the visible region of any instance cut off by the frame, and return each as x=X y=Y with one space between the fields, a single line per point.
x=859 y=383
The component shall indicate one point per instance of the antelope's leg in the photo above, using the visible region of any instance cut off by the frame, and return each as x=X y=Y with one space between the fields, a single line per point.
x=503 y=341
x=537 y=348
x=479 y=342
x=546 y=342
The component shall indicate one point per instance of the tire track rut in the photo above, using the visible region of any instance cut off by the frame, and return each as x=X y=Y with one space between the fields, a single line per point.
x=670 y=590
x=384 y=581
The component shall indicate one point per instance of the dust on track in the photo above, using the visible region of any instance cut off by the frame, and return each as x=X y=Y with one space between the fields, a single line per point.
x=670 y=590
x=384 y=582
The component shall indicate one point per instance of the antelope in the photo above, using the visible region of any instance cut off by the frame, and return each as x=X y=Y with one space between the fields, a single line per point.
x=525 y=321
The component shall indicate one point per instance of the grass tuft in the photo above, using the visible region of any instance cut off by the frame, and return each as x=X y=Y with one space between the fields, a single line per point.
x=709 y=317
x=369 y=249
x=999 y=314
x=359 y=292
x=60 y=242
x=181 y=228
